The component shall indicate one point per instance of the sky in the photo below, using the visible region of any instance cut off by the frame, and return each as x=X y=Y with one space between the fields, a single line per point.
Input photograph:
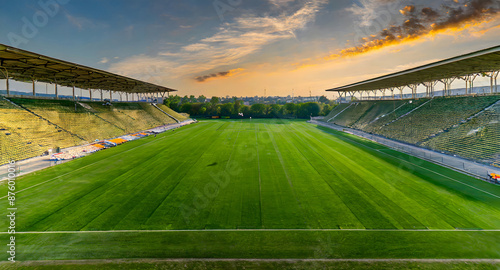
x=248 y=48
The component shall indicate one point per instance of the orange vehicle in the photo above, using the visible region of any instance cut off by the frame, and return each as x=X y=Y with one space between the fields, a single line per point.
x=495 y=176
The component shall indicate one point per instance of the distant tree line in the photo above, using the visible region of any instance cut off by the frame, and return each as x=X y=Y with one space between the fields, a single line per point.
x=202 y=107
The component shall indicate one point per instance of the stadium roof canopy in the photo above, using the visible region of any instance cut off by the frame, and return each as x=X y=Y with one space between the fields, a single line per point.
x=483 y=61
x=22 y=65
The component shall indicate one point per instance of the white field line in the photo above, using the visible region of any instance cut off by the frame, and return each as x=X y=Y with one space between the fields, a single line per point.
x=292 y=260
x=379 y=150
x=259 y=230
x=496 y=196
x=142 y=145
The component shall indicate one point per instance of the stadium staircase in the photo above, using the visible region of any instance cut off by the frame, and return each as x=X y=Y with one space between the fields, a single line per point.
x=165 y=113
x=343 y=109
x=406 y=114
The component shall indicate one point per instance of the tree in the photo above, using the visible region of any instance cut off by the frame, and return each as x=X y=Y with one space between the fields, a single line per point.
x=227 y=109
x=214 y=101
x=290 y=109
x=192 y=99
x=173 y=102
x=237 y=106
x=245 y=110
x=309 y=109
x=202 y=99
x=323 y=99
x=203 y=110
x=186 y=108
x=326 y=110
x=258 y=110
x=274 y=110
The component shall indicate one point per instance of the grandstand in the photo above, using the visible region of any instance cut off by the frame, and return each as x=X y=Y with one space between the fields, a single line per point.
x=130 y=117
x=478 y=138
x=434 y=117
x=466 y=125
x=463 y=125
x=73 y=118
x=24 y=135
x=30 y=127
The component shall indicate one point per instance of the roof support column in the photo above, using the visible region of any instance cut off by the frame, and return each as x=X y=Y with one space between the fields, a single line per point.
x=126 y=96
x=392 y=92
x=413 y=88
x=34 y=87
x=6 y=75
x=496 y=85
x=102 y=95
x=469 y=83
x=433 y=85
x=73 y=91
x=447 y=85
x=493 y=77
x=383 y=93
x=90 y=94
x=57 y=93
x=110 y=96
x=401 y=88
x=429 y=86
x=427 y=89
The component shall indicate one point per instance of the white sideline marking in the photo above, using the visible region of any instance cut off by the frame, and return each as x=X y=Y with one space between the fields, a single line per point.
x=260 y=230
x=378 y=150
x=290 y=260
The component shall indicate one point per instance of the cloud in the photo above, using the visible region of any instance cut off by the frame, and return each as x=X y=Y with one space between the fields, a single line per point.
x=223 y=74
x=145 y=68
x=104 y=60
x=196 y=47
x=426 y=21
x=80 y=22
x=280 y=3
x=247 y=35
x=232 y=42
x=407 y=10
x=367 y=11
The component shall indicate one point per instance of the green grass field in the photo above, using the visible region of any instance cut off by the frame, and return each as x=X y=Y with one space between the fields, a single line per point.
x=253 y=189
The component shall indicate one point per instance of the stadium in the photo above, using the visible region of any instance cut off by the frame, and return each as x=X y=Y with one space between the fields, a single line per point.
x=98 y=173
